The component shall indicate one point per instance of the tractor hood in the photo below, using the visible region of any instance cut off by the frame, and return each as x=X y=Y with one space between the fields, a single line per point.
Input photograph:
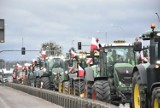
x=57 y=70
x=124 y=72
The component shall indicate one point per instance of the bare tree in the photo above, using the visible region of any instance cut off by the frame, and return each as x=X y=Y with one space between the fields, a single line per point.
x=51 y=48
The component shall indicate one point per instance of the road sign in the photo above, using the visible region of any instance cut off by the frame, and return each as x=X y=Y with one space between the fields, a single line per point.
x=1 y=30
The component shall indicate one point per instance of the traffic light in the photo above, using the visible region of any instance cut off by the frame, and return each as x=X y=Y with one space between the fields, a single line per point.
x=2 y=30
x=23 y=50
x=79 y=46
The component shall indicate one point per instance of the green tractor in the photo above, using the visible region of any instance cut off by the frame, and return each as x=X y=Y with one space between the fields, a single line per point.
x=76 y=84
x=55 y=74
x=114 y=84
x=146 y=77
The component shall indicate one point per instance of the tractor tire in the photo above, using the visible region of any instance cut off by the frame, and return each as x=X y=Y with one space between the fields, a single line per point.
x=46 y=82
x=101 y=91
x=138 y=92
x=71 y=87
x=156 y=98
x=38 y=83
x=79 y=87
x=89 y=90
x=66 y=87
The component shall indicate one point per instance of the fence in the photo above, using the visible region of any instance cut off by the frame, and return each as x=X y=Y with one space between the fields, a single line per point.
x=67 y=101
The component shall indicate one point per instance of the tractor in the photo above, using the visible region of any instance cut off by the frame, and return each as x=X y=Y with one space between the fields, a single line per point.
x=75 y=84
x=55 y=74
x=114 y=83
x=146 y=77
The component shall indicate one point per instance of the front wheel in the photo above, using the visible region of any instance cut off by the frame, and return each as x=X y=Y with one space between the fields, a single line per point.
x=101 y=91
x=66 y=87
x=156 y=97
x=138 y=92
x=45 y=82
x=78 y=89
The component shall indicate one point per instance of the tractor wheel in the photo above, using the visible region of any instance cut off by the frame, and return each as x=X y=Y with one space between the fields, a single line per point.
x=71 y=88
x=156 y=98
x=79 y=87
x=46 y=82
x=38 y=83
x=101 y=91
x=66 y=87
x=89 y=90
x=139 y=96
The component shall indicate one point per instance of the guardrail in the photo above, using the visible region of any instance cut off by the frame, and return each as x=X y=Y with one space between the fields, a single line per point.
x=64 y=100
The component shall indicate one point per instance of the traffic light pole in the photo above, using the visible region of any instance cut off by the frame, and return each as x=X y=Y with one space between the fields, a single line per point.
x=15 y=50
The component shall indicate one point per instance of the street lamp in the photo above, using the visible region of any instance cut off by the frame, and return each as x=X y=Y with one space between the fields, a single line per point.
x=158 y=19
x=72 y=43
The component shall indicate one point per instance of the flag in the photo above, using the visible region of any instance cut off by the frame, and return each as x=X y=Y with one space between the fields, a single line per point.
x=89 y=60
x=80 y=71
x=141 y=56
x=43 y=54
x=94 y=44
x=71 y=69
x=19 y=67
x=26 y=65
x=73 y=54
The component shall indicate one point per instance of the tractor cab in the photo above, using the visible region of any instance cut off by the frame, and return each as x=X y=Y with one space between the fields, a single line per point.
x=116 y=65
x=146 y=80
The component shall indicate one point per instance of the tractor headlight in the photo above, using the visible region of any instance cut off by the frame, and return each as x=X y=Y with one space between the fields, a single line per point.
x=158 y=62
x=156 y=66
x=44 y=69
x=66 y=72
x=158 y=34
x=121 y=84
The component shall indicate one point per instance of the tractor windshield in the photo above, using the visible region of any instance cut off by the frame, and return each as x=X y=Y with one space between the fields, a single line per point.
x=56 y=63
x=120 y=54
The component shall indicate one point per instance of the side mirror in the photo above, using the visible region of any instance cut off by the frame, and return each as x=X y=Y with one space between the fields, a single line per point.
x=137 y=46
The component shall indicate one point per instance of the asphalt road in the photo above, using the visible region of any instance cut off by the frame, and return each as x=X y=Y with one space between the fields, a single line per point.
x=11 y=98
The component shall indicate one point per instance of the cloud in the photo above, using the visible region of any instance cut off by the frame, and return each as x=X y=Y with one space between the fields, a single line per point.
x=62 y=21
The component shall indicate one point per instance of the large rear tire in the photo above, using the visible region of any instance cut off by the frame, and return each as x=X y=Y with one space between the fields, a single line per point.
x=138 y=92
x=156 y=97
x=89 y=90
x=38 y=83
x=101 y=91
x=46 y=82
x=66 y=87
x=79 y=87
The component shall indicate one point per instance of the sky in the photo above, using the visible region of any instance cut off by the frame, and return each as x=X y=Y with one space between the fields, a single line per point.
x=67 y=22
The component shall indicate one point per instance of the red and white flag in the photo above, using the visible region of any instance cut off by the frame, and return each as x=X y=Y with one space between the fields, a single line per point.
x=43 y=54
x=71 y=69
x=80 y=71
x=19 y=67
x=26 y=65
x=73 y=54
x=89 y=60
x=141 y=56
x=94 y=44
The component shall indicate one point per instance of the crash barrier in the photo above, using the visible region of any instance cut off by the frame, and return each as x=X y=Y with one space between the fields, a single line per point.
x=64 y=100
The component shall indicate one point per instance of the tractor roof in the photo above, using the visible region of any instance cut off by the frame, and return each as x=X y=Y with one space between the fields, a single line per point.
x=119 y=44
x=148 y=32
x=51 y=57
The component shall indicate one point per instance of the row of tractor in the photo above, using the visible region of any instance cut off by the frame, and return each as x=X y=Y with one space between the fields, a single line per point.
x=110 y=72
